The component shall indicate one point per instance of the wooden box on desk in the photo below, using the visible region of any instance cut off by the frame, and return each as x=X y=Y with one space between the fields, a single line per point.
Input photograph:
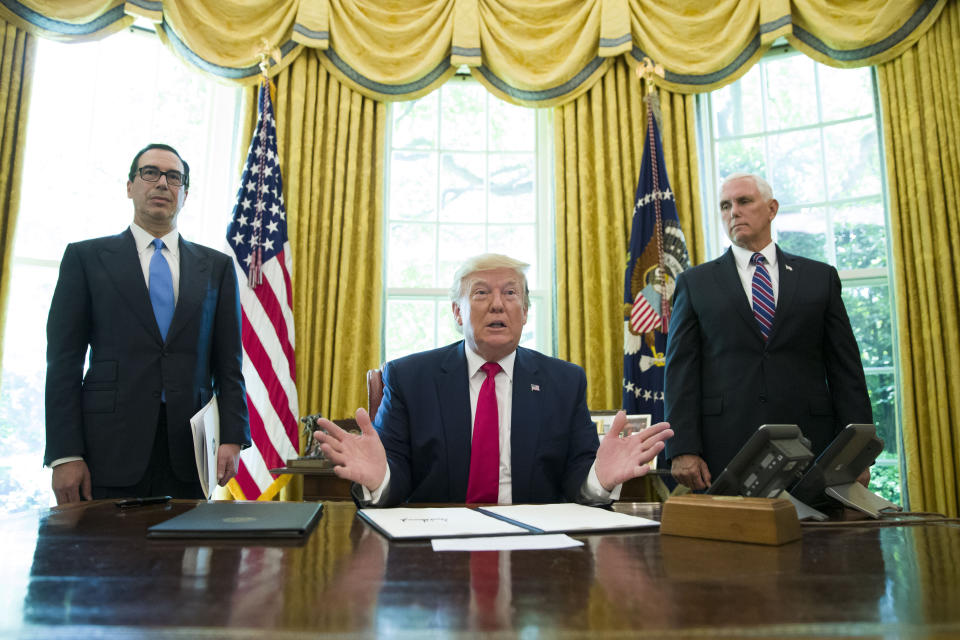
x=758 y=520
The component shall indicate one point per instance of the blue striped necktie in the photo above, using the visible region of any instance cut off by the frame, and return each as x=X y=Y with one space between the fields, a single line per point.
x=763 y=303
x=161 y=289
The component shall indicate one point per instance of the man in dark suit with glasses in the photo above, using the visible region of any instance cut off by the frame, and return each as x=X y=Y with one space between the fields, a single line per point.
x=161 y=319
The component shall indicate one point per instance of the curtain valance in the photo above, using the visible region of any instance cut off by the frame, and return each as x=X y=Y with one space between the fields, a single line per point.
x=532 y=52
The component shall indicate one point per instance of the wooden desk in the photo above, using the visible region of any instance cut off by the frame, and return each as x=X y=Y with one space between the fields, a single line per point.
x=89 y=571
x=323 y=484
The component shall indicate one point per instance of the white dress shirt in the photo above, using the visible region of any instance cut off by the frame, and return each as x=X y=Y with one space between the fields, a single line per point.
x=591 y=490
x=170 y=251
x=746 y=270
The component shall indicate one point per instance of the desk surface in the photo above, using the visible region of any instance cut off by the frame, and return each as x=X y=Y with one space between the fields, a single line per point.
x=89 y=571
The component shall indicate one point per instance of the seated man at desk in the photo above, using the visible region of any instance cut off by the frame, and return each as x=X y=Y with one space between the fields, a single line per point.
x=484 y=420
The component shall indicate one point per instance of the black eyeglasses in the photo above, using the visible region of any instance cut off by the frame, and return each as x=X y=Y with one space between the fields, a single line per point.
x=152 y=174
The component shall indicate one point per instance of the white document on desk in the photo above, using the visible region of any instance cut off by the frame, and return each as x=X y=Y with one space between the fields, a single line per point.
x=506 y=543
x=567 y=517
x=205 y=425
x=408 y=523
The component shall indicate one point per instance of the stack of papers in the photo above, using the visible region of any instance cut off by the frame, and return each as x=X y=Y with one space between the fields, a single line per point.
x=205 y=425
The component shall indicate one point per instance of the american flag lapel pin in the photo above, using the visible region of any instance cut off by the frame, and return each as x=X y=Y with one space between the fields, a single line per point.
x=534 y=387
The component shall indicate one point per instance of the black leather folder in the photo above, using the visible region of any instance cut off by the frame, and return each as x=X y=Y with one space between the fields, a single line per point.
x=241 y=520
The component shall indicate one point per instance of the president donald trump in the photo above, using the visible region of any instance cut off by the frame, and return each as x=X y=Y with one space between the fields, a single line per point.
x=484 y=420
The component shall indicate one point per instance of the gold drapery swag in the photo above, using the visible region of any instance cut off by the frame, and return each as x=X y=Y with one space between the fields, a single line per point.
x=403 y=49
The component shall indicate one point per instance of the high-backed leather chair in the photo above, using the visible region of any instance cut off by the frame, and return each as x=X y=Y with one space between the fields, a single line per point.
x=374 y=392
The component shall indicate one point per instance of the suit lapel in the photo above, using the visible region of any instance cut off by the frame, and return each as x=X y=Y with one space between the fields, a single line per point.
x=788 y=268
x=525 y=420
x=193 y=278
x=119 y=258
x=728 y=280
x=453 y=391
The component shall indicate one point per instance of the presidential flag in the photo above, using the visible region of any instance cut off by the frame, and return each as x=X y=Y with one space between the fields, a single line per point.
x=257 y=237
x=657 y=254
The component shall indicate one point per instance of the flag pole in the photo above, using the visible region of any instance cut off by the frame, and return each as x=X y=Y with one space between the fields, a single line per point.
x=646 y=71
x=257 y=238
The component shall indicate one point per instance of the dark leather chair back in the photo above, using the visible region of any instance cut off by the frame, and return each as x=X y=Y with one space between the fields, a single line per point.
x=374 y=392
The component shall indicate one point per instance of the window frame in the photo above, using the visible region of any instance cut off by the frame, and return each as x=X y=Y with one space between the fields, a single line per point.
x=204 y=222
x=716 y=242
x=543 y=296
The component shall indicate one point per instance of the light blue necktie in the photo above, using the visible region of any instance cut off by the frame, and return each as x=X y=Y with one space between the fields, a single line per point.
x=161 y=289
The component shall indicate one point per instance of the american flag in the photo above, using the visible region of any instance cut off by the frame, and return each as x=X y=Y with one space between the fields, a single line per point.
x=657 y=255
x=257 y=237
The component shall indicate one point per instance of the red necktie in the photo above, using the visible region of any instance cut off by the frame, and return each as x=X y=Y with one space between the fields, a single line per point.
x=484 y=483
x=485 y=582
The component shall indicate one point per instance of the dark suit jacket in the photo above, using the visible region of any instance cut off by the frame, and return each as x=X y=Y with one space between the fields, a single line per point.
x=424 y=423
x=722 y=381
x=109 y=415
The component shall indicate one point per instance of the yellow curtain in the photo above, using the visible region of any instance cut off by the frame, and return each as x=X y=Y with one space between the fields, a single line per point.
x=402 y=49
x=599 y=147
x=920 y=96
x=330 y=140
x=16 y=70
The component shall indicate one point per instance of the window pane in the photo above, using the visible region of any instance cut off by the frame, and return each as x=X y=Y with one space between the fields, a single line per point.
x=517 y=241
x=413 y=186
x=741 y=155
x=845 y=93
x=511 y=129
x=511 y=187
x=447 y=332
x=738 y=107
x=410 y=327
x=106 y=123
x=820 y=150
x=486 y=199
x=796 y=171
x=869 y=311
x=861 y=235
x=803 y=232
x=462 y=187
x=885 y=474
x=529 y=336
x=884 y=401
x=410 y=264
x=158 y=100
x=25 y=335
x=415 y=123
x=791 y=92
x=885 y=478
x=24 y=483
x=462 y=116
x=457 y=241
x=853 y=159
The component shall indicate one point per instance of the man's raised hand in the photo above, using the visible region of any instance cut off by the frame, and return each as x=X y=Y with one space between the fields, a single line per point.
x=358 y=458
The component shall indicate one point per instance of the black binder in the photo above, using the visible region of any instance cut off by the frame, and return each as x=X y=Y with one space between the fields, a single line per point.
x=241 y=520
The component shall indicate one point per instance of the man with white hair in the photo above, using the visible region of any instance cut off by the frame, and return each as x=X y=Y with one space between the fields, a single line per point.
x=484 y=420
x=757 y=336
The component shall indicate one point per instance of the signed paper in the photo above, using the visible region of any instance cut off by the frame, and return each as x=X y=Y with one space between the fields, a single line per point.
x=436 y=522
